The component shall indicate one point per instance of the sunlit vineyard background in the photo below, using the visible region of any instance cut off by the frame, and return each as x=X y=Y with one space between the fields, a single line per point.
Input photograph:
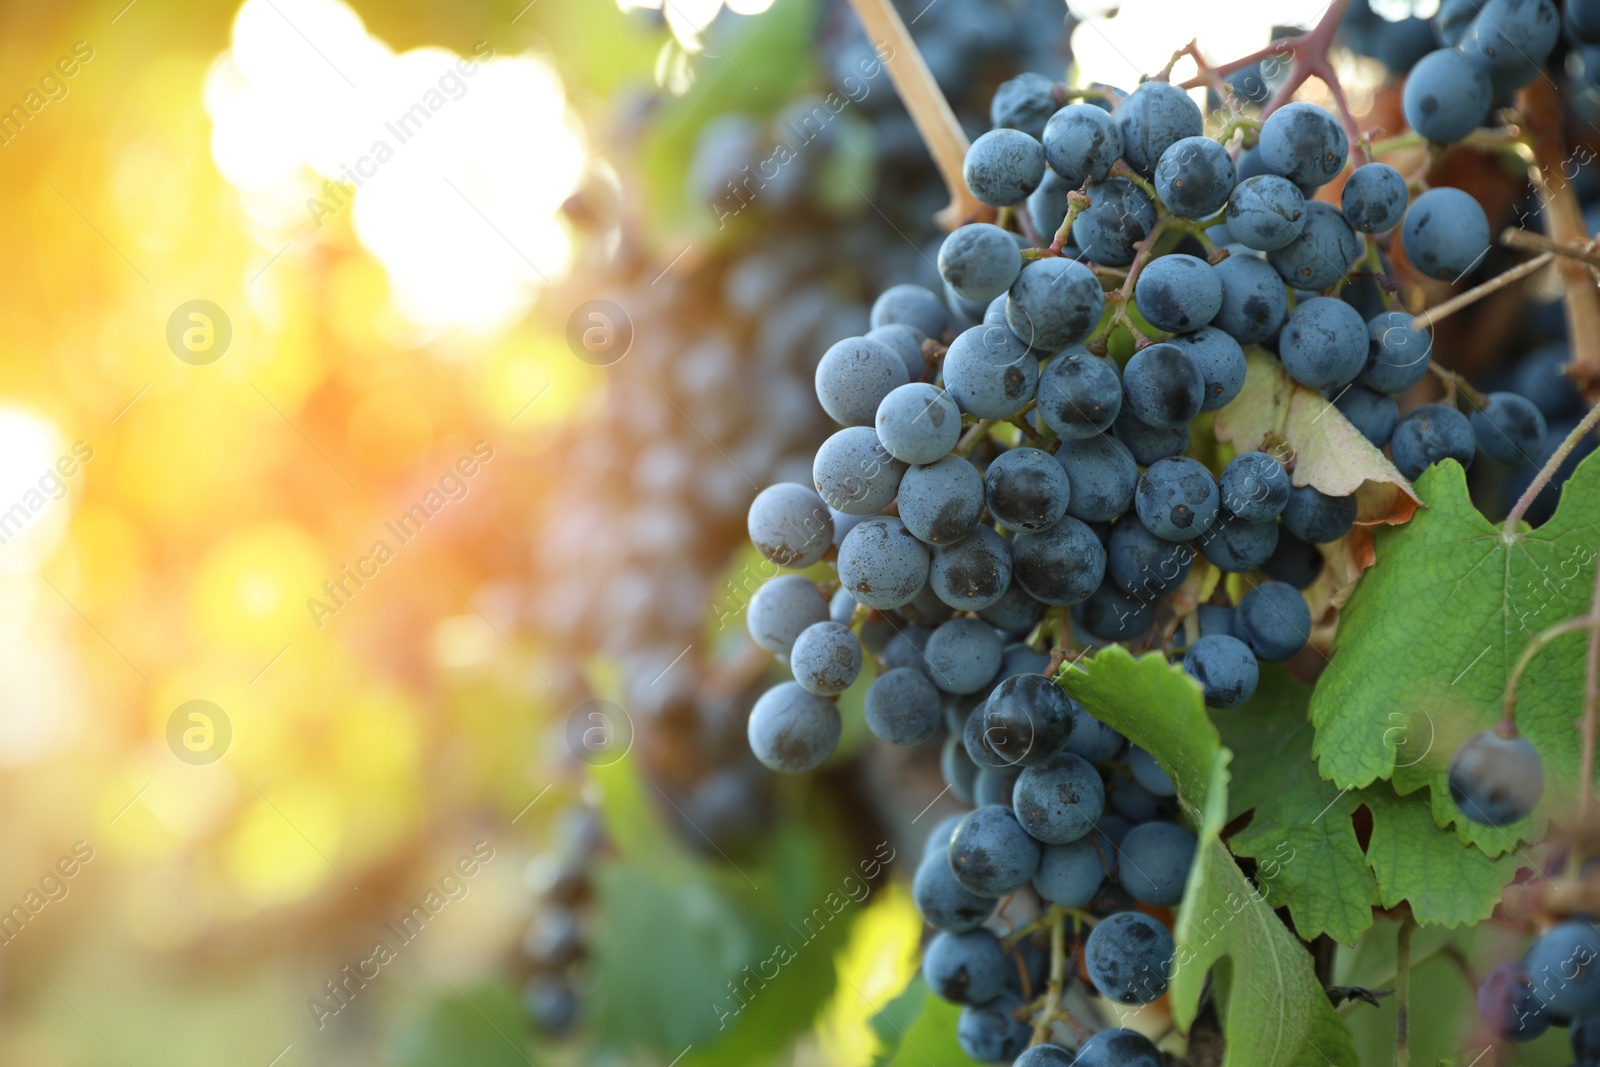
x=375 y=342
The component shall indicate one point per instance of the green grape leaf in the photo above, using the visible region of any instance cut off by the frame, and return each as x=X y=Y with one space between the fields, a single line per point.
x=484 y=1027
x=1304 y=839
x=1302 y=835
x=929 y=1039
x=1418 y=862
x=1428 y=638
x=1274 y=1011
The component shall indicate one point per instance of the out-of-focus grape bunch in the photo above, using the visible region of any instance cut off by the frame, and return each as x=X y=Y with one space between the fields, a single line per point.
x=792 y=215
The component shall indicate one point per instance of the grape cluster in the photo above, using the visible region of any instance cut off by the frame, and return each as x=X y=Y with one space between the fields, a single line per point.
x=1070 y=817
x=1001 y=475
x=1557 y=983
x=553 y=947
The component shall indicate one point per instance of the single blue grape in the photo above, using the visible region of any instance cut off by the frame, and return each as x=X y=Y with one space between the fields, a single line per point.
x=1091 y=738
x=1149 y=443
x=1178 y=293
x=991 y=854
x=1509 y=428
x=1162 y=386
x=841 y=606
x=991 y=1033
x=1428 y=434
x=1150 y=774
x=1016 y=613
x=782 y=609
x=1324 y=344
x=1113 y=615
x=1025 y=488
x=1249 y=84
x=792 y=731
x=943 y=902
x=1563 y=967
x=1194 y=177
x=1134 y=802
x=1581 y=19
x=1059 y=801
x=1070 y=875
x=1129 y=957
x=991 y=787
x=1266 y=212
x=1079 y=394
x=1398 y=353
x=1294 y=562
x=967 y=968
x=1303 y=143
x=1317 y=518
x=1496 y=780
x=1454 y=19
x=1374 y=198
x=1026 y=720
x=1508 y=1007
x=1177 y=498
x=989 y=373
x=1447 y=95
x=1143 y=564
x=1103 y=476
x=1155 y=862
x=1045 y=1056
x=1059 y=565
x=963 y=655
x=1320 y=255
x=1236 y=546
x=1153 y=118
x=854 y=473
x=854 y=376
x=826 y=658
x=1054 y=303
x=979 y=261
x=1024 y=103
x=1274 y=620
x=973 y=573
x=1446 y=233
x=904 y=649
x=959 y=773
x=918 y=423
x=1515 y=37
x=1118 y=217
x=940 y=502
x=1216 y=619
x=1373 y=413
x=1225 y=668
x=902 y=707
x=907 y=344
x=1221 y=362
x=1003 y=166
x=1047 y=205
x=1081 y=142
x=1119 y=1048
x=1019 y=658
x=790 y=525
x=1254 y=301
x=910 y=305
x=881 y=564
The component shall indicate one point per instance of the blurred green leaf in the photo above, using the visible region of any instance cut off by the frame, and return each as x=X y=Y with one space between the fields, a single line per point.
x=727 y=960
x=930 y=1039
x=484 y=1027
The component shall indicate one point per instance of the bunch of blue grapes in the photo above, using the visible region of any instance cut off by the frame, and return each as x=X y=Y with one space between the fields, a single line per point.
x=997 y=479
x=1555 y=984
